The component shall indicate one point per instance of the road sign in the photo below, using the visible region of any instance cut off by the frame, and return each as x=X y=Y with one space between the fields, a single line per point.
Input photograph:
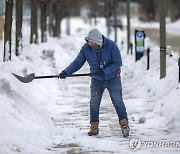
x=139 y=43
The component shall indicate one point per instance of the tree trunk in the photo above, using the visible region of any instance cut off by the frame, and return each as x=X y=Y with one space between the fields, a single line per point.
x=50 y=21
x=68 y=23
x=34 y=24
x=43 y=21
x=56 y=16
x=18 y=26
x=115 y=20
x=7 y=30
x=57 y=25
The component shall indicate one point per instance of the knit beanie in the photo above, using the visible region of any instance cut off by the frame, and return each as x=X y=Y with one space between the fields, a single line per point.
x=94 y=36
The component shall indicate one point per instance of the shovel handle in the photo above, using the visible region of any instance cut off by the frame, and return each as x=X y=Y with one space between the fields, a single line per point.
x=50 y=76
x=72 y=75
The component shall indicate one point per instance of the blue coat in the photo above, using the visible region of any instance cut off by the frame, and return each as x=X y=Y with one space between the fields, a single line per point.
x=108 y=55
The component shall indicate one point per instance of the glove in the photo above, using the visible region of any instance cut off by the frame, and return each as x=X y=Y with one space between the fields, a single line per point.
x=101 y=73
x=62 y=75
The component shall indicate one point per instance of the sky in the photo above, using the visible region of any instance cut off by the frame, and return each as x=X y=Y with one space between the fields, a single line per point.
x=48 y=116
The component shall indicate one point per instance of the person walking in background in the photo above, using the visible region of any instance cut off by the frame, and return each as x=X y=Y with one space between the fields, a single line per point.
x=104 y=58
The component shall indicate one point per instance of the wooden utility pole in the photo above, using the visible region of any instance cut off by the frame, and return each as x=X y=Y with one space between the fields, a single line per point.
x=162 y=38
x=128 y=25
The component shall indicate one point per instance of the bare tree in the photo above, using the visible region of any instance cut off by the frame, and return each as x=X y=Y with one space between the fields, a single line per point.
x=43 y=21
x=115 y=19
x=18 y=26
x=58 y=10
x=7 y=30
x=54 y=18
x=56 y=14
x=174 y=9
x=108 y=14
x=34 y=24
x=148 y=9
x=50 y=17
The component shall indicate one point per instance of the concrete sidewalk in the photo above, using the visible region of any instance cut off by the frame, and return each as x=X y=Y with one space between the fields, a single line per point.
x=78 y=120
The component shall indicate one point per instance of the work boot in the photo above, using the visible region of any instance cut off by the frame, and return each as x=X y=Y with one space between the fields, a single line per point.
x=94 y=129
x=124 y=127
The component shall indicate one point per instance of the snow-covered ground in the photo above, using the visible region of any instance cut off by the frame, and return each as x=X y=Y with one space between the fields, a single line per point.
x=51 y=116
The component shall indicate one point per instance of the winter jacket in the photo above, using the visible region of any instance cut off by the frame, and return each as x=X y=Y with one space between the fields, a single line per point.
x=108 y=57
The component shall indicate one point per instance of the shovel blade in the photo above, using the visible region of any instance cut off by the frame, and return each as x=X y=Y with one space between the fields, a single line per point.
x=25 y=79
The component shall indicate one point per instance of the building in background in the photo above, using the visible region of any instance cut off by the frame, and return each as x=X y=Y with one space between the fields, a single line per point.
x=2 y=13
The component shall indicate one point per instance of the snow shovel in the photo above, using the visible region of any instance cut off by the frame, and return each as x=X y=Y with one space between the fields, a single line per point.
x=32 y=76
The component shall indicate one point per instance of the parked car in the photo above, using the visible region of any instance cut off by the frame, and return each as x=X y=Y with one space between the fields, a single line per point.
x=118 y=22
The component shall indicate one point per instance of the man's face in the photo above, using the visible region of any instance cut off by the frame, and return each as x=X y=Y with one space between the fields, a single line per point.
x=93 y=45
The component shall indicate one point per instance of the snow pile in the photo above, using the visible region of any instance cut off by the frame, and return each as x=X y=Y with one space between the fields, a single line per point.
x=24 y=117
x=161 y=96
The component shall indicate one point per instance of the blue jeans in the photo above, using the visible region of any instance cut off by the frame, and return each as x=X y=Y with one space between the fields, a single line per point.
x=115 y=90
